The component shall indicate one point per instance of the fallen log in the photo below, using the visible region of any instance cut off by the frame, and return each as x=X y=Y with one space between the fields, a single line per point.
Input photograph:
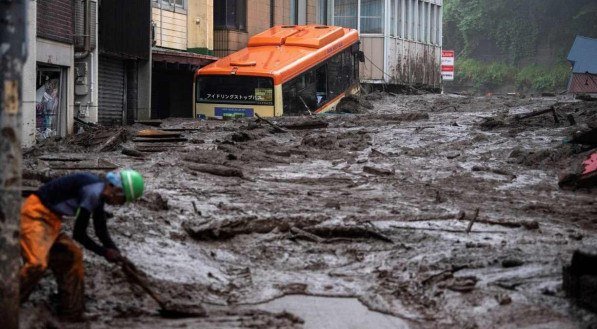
x=437 y=229
x=218 y=170
x=347 y=232
x=311 y=124
x=551 y=109
x=276 y=127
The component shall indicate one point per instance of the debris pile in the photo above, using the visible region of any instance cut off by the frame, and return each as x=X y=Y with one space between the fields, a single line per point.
x=413 y=207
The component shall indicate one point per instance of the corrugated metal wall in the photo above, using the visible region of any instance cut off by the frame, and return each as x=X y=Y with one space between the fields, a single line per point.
x=112 y=90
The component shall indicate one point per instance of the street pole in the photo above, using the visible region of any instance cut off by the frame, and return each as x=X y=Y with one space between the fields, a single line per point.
x=13 y=52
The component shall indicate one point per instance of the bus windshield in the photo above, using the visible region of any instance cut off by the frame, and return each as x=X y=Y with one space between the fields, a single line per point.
x=232 y=89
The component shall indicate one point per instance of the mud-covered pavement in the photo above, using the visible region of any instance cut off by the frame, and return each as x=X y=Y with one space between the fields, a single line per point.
x=375 y=206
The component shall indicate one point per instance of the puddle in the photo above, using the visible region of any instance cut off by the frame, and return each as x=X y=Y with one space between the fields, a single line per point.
x=333 y=313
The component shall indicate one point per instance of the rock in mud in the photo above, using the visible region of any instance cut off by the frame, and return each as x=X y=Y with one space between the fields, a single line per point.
x=155 y=201
x=492 y=123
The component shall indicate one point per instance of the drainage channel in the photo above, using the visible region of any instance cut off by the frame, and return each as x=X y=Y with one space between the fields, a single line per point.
x=333 y=313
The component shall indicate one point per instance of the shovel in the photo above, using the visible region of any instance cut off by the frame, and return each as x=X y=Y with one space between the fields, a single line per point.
x=167 y=308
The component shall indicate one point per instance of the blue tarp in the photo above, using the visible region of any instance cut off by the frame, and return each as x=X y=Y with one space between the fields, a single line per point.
x=583 y=55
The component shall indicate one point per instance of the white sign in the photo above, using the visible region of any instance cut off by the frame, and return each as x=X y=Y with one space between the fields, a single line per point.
x=447 y=68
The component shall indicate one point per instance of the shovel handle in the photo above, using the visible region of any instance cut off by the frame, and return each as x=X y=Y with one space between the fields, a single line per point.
x=131 y=271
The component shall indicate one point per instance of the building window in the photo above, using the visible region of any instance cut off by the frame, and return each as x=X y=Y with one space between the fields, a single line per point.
x=230 y=14
x=298 y=12
x=171 y=3
x=400 y=16
x=323 y=12
x=393 y=16
x=372 y=16
x=345 y=13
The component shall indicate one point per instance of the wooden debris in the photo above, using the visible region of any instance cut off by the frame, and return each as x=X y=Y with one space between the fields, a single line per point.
x=551 y=109
x=306 y=235
x=276 y=127
x=111 y=142
x=53 y=158
x=347 y=232
x=437 y=229
x=132 y=152
x=101 y=165
x=159 y=140
x=195 y=208
x=218 y=170
x=154 y=133
x=470 y=224
x=378 y=171
x=307 y=124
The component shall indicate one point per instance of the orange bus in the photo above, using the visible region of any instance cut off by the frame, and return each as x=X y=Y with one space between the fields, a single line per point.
x=286 y=70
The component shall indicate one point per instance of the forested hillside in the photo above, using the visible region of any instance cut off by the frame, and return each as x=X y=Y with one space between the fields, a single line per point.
x=515 y=44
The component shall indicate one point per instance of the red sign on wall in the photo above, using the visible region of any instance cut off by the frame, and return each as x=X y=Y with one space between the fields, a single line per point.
x=447 y=65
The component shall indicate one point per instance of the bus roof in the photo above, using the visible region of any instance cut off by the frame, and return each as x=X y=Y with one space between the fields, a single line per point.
x=282 y=52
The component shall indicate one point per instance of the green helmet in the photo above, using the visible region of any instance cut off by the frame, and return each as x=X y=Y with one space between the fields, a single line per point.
x=132 y=184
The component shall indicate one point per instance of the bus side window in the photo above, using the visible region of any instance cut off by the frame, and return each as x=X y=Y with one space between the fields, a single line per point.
x=322 y=85
x=335 y=80
x=347 y=68
x=309 y=92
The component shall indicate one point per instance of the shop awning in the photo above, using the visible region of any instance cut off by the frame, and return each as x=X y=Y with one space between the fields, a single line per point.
x=181 y=60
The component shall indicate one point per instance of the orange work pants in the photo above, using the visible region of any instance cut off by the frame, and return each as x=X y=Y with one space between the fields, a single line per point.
x=43 y=246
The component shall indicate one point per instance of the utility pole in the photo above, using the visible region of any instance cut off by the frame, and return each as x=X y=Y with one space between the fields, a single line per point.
x=13 y=52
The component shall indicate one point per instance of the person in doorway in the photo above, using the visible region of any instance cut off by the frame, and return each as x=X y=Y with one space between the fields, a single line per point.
x=43 y=245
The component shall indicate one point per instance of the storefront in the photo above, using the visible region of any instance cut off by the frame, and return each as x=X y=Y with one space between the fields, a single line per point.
x=50 y=101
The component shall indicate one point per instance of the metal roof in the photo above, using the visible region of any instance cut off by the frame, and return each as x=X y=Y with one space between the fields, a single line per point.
x=282 y=52
x=583 y=55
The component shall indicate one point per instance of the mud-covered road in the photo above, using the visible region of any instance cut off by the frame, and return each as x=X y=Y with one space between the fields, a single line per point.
x=375 y=206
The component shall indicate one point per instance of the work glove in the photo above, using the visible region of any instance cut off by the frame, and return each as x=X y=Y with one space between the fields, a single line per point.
x=113 y=255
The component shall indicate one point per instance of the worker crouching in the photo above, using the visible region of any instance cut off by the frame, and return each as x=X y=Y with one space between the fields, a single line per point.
x=44 y=246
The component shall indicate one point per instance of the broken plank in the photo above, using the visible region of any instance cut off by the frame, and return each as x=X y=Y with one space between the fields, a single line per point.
x=159 y=140
x=132 y=152
x=110 y=142
x=154 y=133
x=180 y=129
x=51 y=158
x=470 y=224
x=218 y=170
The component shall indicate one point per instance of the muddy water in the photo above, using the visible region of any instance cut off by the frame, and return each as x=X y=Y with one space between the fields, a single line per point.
x=333 y=313
x=415 y=179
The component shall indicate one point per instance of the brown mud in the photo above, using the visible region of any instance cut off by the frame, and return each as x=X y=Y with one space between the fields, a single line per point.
x=374 y=205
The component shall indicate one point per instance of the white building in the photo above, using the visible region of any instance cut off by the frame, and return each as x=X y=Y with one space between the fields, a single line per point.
x=401 y=39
